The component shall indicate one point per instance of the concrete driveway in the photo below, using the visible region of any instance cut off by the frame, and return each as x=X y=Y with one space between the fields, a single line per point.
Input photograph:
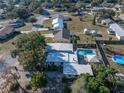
x=40 y=20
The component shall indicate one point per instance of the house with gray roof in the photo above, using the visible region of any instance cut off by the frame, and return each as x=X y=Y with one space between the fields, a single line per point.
x=119 y=32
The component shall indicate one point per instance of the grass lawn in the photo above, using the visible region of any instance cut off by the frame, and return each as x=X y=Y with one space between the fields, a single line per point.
x=6 y=47
x=78 y=27
x=27 y=27
x=48 y=23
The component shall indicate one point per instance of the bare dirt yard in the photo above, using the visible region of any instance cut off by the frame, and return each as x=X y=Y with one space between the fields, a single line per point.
x=78 y=27
x=119 y=49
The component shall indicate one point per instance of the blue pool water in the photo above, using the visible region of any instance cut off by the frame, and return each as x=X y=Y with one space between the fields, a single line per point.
x=118 y=59
x=85 y=52
x=81 y=53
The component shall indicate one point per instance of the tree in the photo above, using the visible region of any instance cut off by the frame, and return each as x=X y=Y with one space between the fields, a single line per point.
x=94 y=20
x=32 y=20
x=39 y=80
x=74 y=39
x=104 y=89
x=100 y=82
x=23 y=12
x=78 y=85
x=66 y=89
x=30 y=50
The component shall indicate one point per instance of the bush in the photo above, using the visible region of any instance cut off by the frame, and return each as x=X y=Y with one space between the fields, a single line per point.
x=28 y=87
x=52 y=68
x=14 y=86
x=13 y=53
x=66 y=89
x=38 y=80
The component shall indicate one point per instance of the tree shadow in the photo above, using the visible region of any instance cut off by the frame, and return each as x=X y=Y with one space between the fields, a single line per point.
x=10 y=37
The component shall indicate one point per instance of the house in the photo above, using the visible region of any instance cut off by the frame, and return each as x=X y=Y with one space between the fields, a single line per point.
x=59 y=53
x=63 y=47
x=6 y=32
x=110 y=31
x=16 y=23
x=63 y=55
x=62 y=35
x=58 y=24
x=71 y=70
x=119 y=8
x=104 y=21
x=119 y=32
x=95 y=10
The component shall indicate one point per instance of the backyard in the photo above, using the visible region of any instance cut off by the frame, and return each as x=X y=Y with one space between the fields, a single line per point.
x=120 y=49
x=78 y=27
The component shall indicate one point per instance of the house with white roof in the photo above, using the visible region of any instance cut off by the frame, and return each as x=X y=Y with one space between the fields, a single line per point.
x=118 y=31
x=72 y=69
x=58 y=24
x=59 y=53
x=68 y=47
x=62 y=54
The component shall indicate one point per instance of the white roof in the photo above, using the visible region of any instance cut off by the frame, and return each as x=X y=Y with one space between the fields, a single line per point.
x=117 y=29
x=58 y=25
x=60 y=46
x=57 y=20
x=55 y=56
x=76 y=69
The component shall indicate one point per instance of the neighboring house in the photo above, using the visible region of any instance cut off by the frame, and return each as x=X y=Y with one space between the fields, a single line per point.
x=110 y=31
x=119 y=32
x=103 y=20
x=58 y=24
x=63 y=47
x=119 y=8
x=16 y=23
x=63 y=55
x=6 y=32
x=95 y=10
x=62 y=35
x=106 y=22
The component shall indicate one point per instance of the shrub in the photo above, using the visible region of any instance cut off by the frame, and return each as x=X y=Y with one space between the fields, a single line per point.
x=14 y=86
x=28 y=87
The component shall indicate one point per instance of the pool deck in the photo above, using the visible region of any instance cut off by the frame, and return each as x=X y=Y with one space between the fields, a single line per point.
x=87 y=58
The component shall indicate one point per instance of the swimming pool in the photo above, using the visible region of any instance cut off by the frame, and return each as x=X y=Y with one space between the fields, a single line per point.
x=83 y=53
x=118 y=59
